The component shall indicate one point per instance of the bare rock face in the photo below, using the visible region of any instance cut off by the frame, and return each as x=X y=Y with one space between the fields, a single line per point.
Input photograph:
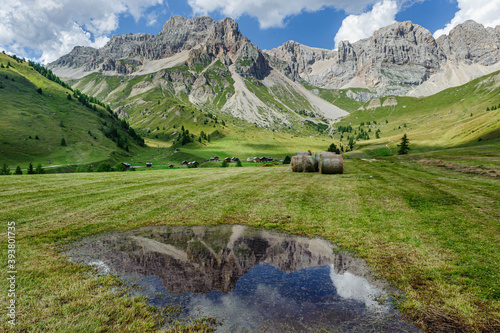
x=471 y=42
x=295 y=60
x=204 y=39
x=394 y=60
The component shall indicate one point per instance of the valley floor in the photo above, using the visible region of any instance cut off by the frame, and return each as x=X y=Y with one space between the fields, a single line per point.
x=433 y=232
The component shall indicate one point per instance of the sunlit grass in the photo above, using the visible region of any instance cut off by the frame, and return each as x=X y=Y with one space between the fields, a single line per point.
x=432 y=232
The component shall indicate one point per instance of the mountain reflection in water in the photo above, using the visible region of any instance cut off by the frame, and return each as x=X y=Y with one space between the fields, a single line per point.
x=252 y=280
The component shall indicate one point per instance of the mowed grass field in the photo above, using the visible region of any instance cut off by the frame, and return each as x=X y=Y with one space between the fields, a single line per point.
x=431 y=231
x=258 y=144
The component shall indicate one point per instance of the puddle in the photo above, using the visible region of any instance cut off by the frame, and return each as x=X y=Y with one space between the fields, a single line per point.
x=250 y=280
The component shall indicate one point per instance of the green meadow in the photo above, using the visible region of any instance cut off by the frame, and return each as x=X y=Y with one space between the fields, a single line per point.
x=427 y=222
x=456 y=117
x=432 y=231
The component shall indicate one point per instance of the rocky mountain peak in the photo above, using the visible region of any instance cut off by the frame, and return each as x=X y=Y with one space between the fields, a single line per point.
x=470 y=42
x=295 y=59
x=177 y=22
x=405 y=43
x=204 y=38
x=406 y=32
x=228 y=31
x=394 y=60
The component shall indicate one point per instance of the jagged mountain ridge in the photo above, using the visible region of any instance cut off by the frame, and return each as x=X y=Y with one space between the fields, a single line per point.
x=208 y=64
x=403 y=58
x=213 y=67
x=201 y=38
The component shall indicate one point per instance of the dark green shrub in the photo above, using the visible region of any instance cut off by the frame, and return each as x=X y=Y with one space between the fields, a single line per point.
x=104 y=167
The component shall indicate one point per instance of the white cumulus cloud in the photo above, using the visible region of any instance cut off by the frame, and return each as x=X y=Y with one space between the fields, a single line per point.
x=486 y=12
x=51 y=28
x=356 y=27
x=272 y=13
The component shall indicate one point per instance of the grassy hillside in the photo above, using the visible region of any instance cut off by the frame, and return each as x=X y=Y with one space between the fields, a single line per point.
x=454 y=117
x=431 y=231
x=337 y=97
x=36 y=114
x=158 y=101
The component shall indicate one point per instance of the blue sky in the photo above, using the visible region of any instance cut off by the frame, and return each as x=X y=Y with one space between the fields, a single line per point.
x=316 y=29
x=47 y=29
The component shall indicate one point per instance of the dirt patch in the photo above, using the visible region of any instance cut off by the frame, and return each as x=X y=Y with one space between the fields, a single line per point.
x=374 y=103
x=472 y=169
x=390 y=101
x=437 y=320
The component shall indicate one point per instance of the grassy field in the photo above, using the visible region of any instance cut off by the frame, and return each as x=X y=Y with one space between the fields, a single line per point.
x=432 y=231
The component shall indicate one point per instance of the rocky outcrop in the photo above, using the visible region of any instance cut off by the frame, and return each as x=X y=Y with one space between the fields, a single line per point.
x=204 y=39
x=251 y=62
x=395 y=60
x=295 y=60
x=471 y=42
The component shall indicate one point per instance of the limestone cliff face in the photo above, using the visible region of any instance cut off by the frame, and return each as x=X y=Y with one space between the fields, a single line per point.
x=296 y=60
x=201 y=37
x=471 y=43
x=395 y=60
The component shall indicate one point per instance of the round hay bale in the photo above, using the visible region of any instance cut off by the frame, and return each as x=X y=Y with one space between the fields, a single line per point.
x=330 y=164
x=317 y=155
x=296 y=163
x=303 y=153
x=309 y=164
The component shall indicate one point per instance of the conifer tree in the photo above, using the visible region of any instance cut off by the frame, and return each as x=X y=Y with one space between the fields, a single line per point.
x=18 y=171
x=5 y=170
x=334 y=149
x=30 y=170
x=39 y=169
x=404 y=147
x=351 y=143
x=63 y=142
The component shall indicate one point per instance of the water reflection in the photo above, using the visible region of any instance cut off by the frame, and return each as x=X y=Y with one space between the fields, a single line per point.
x=252 y=280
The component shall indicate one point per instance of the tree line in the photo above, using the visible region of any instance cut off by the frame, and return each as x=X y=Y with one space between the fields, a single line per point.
x=5 y=170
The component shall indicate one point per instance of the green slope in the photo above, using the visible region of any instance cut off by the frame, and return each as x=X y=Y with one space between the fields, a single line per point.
x=454 y=117
x=160 y=100
x=33 y=124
